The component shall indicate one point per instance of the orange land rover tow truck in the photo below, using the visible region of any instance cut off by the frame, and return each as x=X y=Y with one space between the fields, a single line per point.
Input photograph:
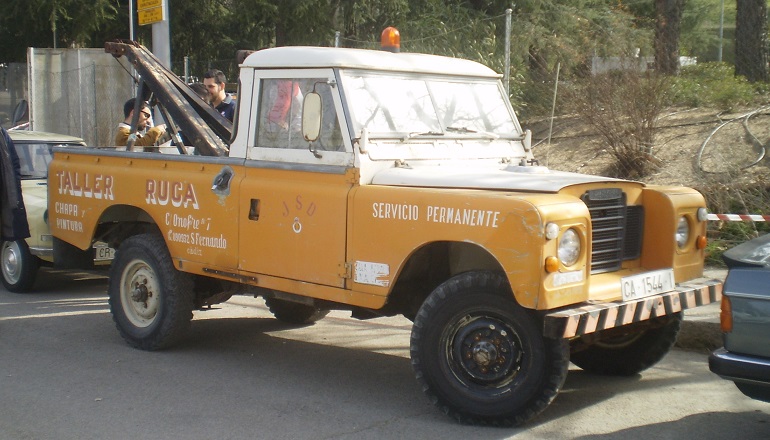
x=387 y=183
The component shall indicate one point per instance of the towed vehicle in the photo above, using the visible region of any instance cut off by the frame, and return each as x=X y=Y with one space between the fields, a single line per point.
x=21 y=259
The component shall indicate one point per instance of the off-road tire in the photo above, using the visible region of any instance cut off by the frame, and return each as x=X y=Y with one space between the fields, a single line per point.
x=480 y=357
x=294 y=313
x=151 y=302
x=19 y=266
x=629 y=354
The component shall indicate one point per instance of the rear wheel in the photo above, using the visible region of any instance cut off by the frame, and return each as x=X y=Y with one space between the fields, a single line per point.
x=19 y=266
x=629 y=354
x=480 y=357
x=151 y=301
x=294 y=313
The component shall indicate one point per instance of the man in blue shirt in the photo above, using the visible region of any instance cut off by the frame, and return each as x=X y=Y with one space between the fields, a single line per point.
x=215 y=81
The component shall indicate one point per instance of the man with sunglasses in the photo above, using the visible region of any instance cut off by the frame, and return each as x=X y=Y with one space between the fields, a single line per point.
x=145 y=137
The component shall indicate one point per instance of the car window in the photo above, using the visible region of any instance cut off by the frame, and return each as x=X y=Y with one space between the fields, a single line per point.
x=280 y=113
x=34 y=159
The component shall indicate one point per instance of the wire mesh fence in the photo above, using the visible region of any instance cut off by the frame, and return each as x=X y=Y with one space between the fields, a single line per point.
x=13 y=90
x=79 y=92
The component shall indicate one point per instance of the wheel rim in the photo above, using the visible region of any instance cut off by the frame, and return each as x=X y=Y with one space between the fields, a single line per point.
x=12 y=262
x=484 y=351
x=140 y=293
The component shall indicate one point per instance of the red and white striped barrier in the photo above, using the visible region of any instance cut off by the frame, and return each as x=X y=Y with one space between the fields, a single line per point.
x=740 y=217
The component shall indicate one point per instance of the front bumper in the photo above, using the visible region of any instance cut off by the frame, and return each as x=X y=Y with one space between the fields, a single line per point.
x=592 y=317
x=750 y=373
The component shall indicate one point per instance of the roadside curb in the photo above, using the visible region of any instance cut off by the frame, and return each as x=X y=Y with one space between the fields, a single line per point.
x=701 y=336
x=700 y=328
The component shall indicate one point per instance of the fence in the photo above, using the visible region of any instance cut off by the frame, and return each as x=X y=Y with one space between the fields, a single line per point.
x=79 y=92
x=13 y=89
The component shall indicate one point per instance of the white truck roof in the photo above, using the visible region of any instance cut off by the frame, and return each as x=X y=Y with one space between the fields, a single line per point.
x=304 y=57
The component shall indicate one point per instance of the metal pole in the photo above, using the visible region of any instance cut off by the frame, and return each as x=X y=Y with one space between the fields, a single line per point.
x=80 y=98
x=337 y=39
x=31 y=83
x=553 y=105
x=161 y=37
x=187 y=69
x=721 y=28
x=96 y=125
x=131 y=31
x=507 y=73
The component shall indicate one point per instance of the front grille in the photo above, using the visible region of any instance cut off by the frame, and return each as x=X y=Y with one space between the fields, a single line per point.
x=616 y=229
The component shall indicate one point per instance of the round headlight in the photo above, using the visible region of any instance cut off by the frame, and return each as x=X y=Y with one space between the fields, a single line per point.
x=569 y=247
x=682 y=232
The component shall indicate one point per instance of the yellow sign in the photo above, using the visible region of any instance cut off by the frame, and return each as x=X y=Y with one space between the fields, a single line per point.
x=147 y=4
x=151 y=15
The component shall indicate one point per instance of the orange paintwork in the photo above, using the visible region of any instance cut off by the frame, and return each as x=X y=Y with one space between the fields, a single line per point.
x=323 y=235
x=196 y=223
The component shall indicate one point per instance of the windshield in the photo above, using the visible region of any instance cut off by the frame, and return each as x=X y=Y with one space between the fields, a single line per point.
x=34 y=159
x=410 y=107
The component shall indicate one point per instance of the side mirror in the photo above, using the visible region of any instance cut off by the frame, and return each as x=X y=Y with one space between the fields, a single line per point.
x=527 y=141
x=311 y=116
x=20 y=112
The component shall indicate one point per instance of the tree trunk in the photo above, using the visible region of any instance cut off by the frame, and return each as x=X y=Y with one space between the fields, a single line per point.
x=668 y=24
x=750 y=36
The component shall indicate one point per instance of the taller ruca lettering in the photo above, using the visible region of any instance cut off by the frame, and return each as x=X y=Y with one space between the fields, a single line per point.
x=86 y=185
x=164 y=192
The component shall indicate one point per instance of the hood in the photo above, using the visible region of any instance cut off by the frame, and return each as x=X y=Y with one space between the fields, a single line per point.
x=511 y=178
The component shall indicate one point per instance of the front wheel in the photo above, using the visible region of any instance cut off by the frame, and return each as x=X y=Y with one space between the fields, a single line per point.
x=19 y=266
x=629 y=354
x=151 y=302
x=480 y=357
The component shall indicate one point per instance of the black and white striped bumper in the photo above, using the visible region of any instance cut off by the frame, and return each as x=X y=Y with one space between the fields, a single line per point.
x=594 y=317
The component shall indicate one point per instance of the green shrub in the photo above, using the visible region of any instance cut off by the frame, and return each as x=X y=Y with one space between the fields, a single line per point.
x=712 y=85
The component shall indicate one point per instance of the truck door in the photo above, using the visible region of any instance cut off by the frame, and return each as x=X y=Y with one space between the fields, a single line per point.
x=295 y=192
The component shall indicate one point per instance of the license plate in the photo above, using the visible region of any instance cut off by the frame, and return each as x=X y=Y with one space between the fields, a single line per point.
x=647 y=284
x=103 y=252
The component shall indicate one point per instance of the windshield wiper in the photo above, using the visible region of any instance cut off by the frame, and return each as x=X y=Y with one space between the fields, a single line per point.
x=469 y=130
x=460 y=130
x=426 y=133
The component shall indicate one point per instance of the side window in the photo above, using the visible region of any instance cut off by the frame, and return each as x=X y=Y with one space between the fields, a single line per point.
x=280 y=114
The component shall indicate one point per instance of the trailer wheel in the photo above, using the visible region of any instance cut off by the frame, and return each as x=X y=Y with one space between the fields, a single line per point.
x=19 y=266
x=151 y=302
x=629 y=354
x=294 y=313
x=480 y=357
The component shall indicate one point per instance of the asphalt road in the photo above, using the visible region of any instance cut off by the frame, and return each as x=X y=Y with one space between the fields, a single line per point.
x=65 y=373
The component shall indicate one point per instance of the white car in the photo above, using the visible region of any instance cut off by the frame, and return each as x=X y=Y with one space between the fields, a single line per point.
x=21 y=259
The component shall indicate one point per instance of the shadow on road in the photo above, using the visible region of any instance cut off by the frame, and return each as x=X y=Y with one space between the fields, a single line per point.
x=697 y=426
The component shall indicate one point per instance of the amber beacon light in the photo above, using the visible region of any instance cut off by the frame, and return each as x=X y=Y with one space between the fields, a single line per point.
x=390 y=40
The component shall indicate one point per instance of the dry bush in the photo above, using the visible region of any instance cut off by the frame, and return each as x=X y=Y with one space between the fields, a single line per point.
x=623 y=106
x=725 y=196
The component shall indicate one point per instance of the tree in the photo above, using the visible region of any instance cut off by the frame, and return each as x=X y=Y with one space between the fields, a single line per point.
x=667 y=29
x=751 y=40
x=58 y=23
